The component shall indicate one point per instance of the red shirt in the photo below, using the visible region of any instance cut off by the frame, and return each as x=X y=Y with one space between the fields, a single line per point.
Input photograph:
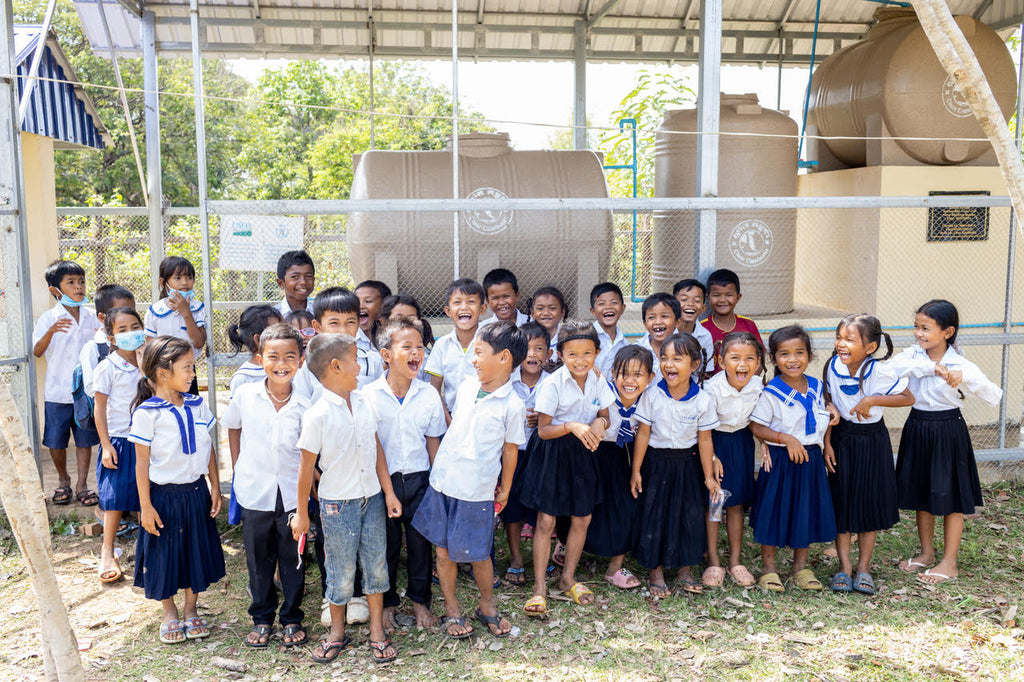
x=743 y=324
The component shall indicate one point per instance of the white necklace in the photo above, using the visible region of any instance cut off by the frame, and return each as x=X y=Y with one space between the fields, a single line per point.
x=279 y=401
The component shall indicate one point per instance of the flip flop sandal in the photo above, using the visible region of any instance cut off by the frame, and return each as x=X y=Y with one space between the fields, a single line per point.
x=864 y=584
x=558 y=556
x=448 y=621
x=488 y=621
x=577 y=592
x=527 y=532
x=535 y=601
x=806 y=580
x=624 y=580
x=62 y=495
x=942 y=577
x=909 y=565
x=552 y=573
x=196 y=623
x=741 y=576
x=661 y=587
x=116 y=570
x=841 y=582
x=170 y=627
x=515 y=576
x=87 y=498
x=770 y=582
x=690 y=584
x=380 y=648
x=713 y=576
x=261 y=631
x=291 y=631
x=331 y=650
x=129 y=528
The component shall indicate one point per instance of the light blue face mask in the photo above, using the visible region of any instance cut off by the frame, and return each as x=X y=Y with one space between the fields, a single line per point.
x=72 y=303
x=130 y=341
x=187 y=295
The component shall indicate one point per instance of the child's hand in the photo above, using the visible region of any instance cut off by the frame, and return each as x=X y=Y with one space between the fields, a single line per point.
x=797 y=451
x=942 y=371
x=531 y=419
x=216 y=501
x=830 y=458
x=178 y=304
x=63 y=324
x=862 y=410
x=717 y=470
x=954 y=377
x=766 y=458
x=585 y=434
x=151 y=520
x=713 y=486
x=299 y=524
x=598 y=427
x=501 y=498
x=833 y=413
x=109 y=456
x=393 y=505
x=636 y=485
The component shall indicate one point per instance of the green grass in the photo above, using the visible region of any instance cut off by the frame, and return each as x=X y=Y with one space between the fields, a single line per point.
x=907 y=632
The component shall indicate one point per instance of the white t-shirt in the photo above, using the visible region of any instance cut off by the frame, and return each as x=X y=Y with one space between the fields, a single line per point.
x=346 y=440
x=676 y=423
x=65 y=347
x=733 y=407
x=404 y=426
x=782 y=409
x=879 y=379
x=931 y=392
x=117 y=379
x=178 y=438
x=162 y=321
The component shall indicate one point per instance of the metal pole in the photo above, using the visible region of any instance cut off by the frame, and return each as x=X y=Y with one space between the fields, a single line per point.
x=151 y=84
x=1011 y=256
x=707 y=131
x=455 y=135
x=37 y=57
x=204 y=209
x=778 y=92
x=12 y=193
x=372 y=41
x=579 y=110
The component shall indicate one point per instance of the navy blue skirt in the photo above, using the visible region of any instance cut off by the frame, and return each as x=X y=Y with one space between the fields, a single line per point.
x=514 y=511
x=116 y=487
x=560 y=477
x=793 y=504
x=187 y=553
x=736 y=450
x=864 y=484
x=611 y=526
x=464 y=529
x=671 y=511
x=935 y=468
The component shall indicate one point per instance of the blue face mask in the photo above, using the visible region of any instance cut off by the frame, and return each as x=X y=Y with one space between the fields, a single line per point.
x=130 y=341
x=187 y=295
x=72 y=303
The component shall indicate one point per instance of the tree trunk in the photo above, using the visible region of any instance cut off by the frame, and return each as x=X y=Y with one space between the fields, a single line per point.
x=21 y=492
x=960 y=62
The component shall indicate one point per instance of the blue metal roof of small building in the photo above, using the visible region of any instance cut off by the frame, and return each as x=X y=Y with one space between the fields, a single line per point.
x=59 y=110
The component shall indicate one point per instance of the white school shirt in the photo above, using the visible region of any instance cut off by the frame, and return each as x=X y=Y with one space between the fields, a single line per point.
x=449 y=360
x=609 y=347
x=346 y=440
x=611 y=434
x=89 y=359
x=178 y=438
x=676 y=423
x=733 y=407
x=268 y=458
x=703 y=337
x=117 y=379
x=521 y=319
x=879 y=379
x=65 y=347
x=404 y=426
x=779 y=409
x=162 y=321
x=931 y=392
x=468 y=462
x=285 y=310
x=645 y=341
x=247 y=373
x=560 y=397
x=371 y=364
x=312 y=390
x=528 y=395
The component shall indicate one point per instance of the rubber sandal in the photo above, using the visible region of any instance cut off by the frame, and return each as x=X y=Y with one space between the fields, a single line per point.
x=291 y=631
x=690 y=584
x=261 y=631
x=552 y=572
x=62 y=495
x=558 y=556
x=196 y=623
x=527 y=532
x=741 y=576
x=713 y=576
x=910 y=565
x=864 y=584
x=841 y=582
x=770 y=582
x=661 y=587
x=488 y=621
x=170 y=627
x=942 y=577
x=515 y=576
x=117 y=573
x=578 y=591
x=448 y=621
x=535 y=601
x=806 y=580
x=624 y=580
x=87 y=498
x=380 y=648
x=331 y=650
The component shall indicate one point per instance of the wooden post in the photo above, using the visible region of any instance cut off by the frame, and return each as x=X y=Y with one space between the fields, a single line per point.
x=22 y=495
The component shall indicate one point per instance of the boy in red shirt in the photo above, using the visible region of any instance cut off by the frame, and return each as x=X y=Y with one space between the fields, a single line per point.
x=723 y=295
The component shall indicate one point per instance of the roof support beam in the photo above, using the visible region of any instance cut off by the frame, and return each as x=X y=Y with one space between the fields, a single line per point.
x=600 y=14
x=982 y=8
x=480 y=11
x=579 y=110
x=708 y=113
x=151 y=84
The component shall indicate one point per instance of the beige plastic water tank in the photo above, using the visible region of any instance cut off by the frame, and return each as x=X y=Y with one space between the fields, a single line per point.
x=759 y=245
x=891 y=86
x=413 y=251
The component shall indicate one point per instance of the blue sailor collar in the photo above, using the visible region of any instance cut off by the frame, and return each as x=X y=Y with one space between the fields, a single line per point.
x=792 y=397
x=187 y=432
x=851 y=384
x=690 y=393
x=161 y=309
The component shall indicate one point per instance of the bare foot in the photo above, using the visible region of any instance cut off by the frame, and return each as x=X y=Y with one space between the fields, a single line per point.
x=424 y=618
x=389 y=620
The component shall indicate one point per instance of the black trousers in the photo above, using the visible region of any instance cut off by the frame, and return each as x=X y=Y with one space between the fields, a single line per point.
x=409 y=489
x=269 y=546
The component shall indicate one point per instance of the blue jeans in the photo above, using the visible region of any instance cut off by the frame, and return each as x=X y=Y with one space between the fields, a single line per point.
x=354 y=530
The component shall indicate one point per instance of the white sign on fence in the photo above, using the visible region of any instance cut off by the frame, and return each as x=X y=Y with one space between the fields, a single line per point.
x=254 y=242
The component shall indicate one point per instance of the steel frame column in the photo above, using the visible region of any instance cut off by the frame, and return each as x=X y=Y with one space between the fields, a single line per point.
x=455 y=136
x=579 y=109
x=151 y=84
x=709 y=76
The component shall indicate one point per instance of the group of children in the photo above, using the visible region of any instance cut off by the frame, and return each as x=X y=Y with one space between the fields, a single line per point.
x=351 y=426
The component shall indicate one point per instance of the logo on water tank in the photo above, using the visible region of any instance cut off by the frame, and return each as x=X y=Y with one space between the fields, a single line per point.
x=750 y=242
x=488 y=222
x=954 y=100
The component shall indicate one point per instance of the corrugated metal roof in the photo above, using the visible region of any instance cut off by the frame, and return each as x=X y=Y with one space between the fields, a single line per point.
x=59 y=110
x=754 y=31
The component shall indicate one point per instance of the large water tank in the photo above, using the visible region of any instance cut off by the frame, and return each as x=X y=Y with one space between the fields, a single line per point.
x=891 y=86
x=759 y=245
x=413 y=252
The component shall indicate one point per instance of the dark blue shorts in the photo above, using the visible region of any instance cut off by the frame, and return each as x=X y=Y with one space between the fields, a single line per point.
x=60 y=424
x=464 y=529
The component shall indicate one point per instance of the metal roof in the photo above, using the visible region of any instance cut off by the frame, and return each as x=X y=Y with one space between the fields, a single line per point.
x=754 y=31
x=59 y=110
